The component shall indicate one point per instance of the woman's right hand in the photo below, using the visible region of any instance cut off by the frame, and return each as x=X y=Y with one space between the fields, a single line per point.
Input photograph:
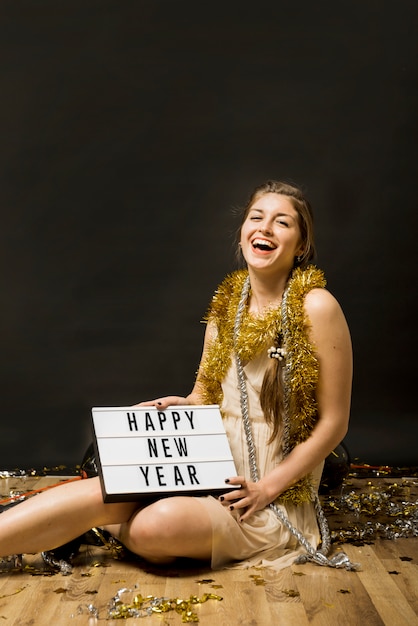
x=163 y=403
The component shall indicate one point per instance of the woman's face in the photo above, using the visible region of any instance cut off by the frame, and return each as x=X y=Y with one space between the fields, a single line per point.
x=270 y=234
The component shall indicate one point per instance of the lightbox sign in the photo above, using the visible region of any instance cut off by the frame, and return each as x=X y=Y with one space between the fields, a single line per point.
x=142 y=451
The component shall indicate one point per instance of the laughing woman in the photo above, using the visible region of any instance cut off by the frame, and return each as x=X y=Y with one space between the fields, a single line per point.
x=277 y=359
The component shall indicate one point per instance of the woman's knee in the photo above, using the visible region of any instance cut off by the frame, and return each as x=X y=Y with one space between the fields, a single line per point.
x=153 y=523
x=166 y=525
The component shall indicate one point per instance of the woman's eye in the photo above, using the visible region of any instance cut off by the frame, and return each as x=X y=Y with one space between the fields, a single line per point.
x=282 y=223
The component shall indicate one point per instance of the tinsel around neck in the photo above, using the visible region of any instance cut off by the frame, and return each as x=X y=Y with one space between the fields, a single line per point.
x=256 y=334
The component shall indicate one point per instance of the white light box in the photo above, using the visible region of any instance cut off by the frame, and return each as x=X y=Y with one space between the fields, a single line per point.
x=142 y=451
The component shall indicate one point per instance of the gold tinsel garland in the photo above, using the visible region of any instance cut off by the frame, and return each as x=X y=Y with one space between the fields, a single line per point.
x=130 y=603
x=256 y=334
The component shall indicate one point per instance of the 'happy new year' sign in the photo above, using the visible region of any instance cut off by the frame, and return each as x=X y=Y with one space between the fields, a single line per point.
x=142 y=451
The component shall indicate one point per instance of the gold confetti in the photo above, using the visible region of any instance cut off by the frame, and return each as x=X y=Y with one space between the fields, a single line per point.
x=14 y=593
x=36 y=571
x=136 y=605
x=205 y=581
x=291 y=593
x=60 y=590
x=257 y=579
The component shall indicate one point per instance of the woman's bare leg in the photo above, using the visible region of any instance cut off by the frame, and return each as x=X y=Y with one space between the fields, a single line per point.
x=171 y=527
x=56 y=516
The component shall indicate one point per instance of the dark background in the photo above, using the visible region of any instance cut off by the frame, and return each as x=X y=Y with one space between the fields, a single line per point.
x=130 y=130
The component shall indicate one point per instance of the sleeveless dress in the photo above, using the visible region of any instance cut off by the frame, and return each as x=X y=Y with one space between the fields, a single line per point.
x=262 y=539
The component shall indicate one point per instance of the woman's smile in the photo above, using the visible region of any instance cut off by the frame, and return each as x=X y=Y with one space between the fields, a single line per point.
x=263 y=245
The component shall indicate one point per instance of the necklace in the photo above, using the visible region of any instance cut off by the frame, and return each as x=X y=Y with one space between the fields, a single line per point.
x=340 y=559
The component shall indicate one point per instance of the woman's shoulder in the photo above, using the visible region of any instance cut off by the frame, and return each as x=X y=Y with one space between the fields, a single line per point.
x=324 y=312
x=319 y=301
x=309 y=298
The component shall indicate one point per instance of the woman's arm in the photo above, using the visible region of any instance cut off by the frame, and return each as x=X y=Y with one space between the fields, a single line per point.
x=331 y=338
x=195 y=396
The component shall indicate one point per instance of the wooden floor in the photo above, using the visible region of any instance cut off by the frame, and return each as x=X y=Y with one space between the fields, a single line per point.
x=385 y=591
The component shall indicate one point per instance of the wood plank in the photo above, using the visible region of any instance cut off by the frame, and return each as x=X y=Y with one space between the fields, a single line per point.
x=22 y=600
x=405 y=576
x=400 y=559
x=251 y=597
x=243 y=602
x=397 y=548
x=283 y=596
x=386 y=596
x=334 y=596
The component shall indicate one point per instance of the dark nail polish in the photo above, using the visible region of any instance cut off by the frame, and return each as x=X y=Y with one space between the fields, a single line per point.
x=227 y=480
x=221 y=498
x=231 y=508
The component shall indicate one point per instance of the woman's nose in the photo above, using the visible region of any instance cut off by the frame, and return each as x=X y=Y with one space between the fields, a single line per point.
x=265 y=228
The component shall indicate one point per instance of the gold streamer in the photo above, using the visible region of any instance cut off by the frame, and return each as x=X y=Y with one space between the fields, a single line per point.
x=256 y=334
x=137 y=605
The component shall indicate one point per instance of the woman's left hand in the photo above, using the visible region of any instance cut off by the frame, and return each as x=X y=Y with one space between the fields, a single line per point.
x=250 y=496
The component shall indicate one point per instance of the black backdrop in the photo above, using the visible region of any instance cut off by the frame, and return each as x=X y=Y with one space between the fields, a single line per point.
x=129 y=132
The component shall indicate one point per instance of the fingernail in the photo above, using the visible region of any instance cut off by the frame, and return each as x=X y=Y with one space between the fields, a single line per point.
x=159 y=403
x=221 y=498
x=231 y=508
x=227 y=480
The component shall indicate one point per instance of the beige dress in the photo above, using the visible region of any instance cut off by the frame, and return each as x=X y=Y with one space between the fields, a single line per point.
x=262 y=539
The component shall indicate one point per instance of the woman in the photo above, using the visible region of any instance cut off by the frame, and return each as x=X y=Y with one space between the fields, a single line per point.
x=277 y=359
